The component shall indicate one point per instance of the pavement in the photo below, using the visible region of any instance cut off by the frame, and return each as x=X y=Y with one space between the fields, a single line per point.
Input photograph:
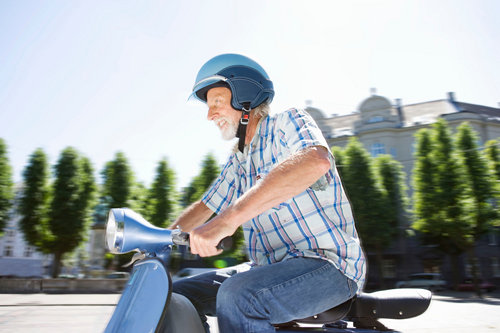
x=449 y=312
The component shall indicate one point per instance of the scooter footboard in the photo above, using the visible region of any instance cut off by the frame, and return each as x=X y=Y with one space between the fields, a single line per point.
x=144 y=300
x=392 y=303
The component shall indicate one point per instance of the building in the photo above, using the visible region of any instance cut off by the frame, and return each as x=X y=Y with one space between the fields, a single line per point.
x=384 y=127
x=389 y=128
x=17 y=258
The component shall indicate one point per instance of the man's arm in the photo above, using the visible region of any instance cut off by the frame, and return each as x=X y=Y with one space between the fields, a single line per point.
x=287 y=179
x=193 y=216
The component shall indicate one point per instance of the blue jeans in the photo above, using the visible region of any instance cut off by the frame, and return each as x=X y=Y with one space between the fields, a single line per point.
x=252 y=300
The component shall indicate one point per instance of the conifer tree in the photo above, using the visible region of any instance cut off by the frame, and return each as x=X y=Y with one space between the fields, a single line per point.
x=69 y=216
x=197 y=187
x=118 y=182
x=424 y=185
x=439 y=200
x=479 y=191
x=368 y=203
x=6 y=187
x=162 y=195
x=492 y=154
x=34 y=200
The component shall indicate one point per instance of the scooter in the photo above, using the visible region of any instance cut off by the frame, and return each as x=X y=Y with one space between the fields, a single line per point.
x=148 y=304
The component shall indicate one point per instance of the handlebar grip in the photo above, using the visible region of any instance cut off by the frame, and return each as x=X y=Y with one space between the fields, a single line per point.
x=182 y=238
x=225 y=244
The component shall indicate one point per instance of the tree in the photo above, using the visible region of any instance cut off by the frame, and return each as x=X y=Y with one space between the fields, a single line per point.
x=209 y=172
x=34 y=200
x=368 y=204
x=440 y=209
x=492 y=155
x=118 y=181
x=162 y=195
x=6 y=186
x=392 y=180
x=479 y=189
x=119 y=190
x=339 y=156
x=70 y=213
x=424 y=185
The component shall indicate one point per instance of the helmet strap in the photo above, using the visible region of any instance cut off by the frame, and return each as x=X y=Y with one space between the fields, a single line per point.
x=242 y=127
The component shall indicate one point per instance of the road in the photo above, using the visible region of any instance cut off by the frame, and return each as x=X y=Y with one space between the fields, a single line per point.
x=43 y=313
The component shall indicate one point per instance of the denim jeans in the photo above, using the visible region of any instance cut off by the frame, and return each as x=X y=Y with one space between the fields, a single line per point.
x=252 y=300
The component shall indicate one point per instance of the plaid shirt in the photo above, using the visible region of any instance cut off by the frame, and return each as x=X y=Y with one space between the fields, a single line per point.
x=316 y=223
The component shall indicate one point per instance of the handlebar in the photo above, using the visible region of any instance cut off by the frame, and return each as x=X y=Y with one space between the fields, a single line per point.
x=182 y=238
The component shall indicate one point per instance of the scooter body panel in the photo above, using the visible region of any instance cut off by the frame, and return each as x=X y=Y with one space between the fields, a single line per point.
x=144 y=300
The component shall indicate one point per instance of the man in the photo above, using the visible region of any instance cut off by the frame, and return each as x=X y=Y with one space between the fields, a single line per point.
x=282 y=187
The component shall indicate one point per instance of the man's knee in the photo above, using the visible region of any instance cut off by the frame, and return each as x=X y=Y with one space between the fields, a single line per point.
x=239 y=294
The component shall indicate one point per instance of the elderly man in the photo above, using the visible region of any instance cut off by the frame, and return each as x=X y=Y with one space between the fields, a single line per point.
x=281 y=186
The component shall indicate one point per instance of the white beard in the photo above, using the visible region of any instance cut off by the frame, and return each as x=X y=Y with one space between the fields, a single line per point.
x=227 y=128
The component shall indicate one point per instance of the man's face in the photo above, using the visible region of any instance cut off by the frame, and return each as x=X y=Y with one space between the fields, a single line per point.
x=222 y=113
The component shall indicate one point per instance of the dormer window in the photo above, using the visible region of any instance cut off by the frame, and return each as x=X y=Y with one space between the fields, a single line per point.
x=375 y=119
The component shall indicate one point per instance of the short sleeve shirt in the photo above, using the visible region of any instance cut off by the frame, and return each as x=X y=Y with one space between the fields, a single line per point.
x=316 y=223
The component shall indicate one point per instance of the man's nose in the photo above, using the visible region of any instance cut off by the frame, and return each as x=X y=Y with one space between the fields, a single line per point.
x=210 y=114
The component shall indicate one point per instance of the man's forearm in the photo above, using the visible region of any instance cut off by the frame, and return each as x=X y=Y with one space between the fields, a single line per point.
x=196 y=214
x=288 y=179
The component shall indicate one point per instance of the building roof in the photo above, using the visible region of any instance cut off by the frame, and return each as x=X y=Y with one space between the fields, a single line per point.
x=412 y=114
x=480 y=109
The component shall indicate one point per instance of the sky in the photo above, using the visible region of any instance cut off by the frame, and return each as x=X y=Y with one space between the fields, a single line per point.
x=107 y=76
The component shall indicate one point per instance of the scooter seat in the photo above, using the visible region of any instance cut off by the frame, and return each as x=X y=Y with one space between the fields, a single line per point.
x=331 y=315
x=391 y=303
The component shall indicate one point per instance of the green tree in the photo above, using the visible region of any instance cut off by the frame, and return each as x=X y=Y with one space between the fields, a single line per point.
x=162 y=195
x=6 y=186
x=479 y=190
x=197 y=187
x=492 y=155
x=424 y=185
x=368 y=203
x=440 y=212
x=70 y=212
x=34 y=200
x=339 y=156
x=118 y=182
x=119 y=190
x=392 y=180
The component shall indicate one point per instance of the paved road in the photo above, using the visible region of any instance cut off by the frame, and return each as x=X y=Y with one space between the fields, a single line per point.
x=43 y=313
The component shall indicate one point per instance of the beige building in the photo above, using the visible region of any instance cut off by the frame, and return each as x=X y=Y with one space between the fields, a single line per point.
x=389 y=128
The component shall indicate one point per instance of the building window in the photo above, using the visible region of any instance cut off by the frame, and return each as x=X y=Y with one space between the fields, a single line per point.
x=375 y=119
x=8 y=251
x=393 y=152
x=492 y=238
x=495 y=266
x=389 y=268
x=377 y=149
x=28 y=252
x=469 y=266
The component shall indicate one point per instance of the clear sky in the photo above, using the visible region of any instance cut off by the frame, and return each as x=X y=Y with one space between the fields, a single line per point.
x=107 y=76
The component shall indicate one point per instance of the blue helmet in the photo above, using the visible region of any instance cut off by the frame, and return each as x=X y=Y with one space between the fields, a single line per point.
x=249 y=83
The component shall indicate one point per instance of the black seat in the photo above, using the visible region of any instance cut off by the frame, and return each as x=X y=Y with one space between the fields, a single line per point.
x=364 y=309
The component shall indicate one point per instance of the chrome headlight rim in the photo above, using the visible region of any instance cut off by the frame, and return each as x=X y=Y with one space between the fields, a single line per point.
x=114 y=230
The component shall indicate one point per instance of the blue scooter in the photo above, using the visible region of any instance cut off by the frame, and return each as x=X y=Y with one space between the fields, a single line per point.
x=147 y=303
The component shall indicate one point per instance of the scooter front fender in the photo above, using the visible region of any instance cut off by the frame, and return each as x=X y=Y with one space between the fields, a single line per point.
x=144 y=301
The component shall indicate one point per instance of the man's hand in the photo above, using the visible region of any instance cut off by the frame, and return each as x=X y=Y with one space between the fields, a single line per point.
x=205 y=238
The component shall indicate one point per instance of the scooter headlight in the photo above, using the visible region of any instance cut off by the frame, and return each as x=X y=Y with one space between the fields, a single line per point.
x=114 y=231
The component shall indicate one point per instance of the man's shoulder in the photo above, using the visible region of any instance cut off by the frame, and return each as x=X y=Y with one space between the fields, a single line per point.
x=287 y=114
